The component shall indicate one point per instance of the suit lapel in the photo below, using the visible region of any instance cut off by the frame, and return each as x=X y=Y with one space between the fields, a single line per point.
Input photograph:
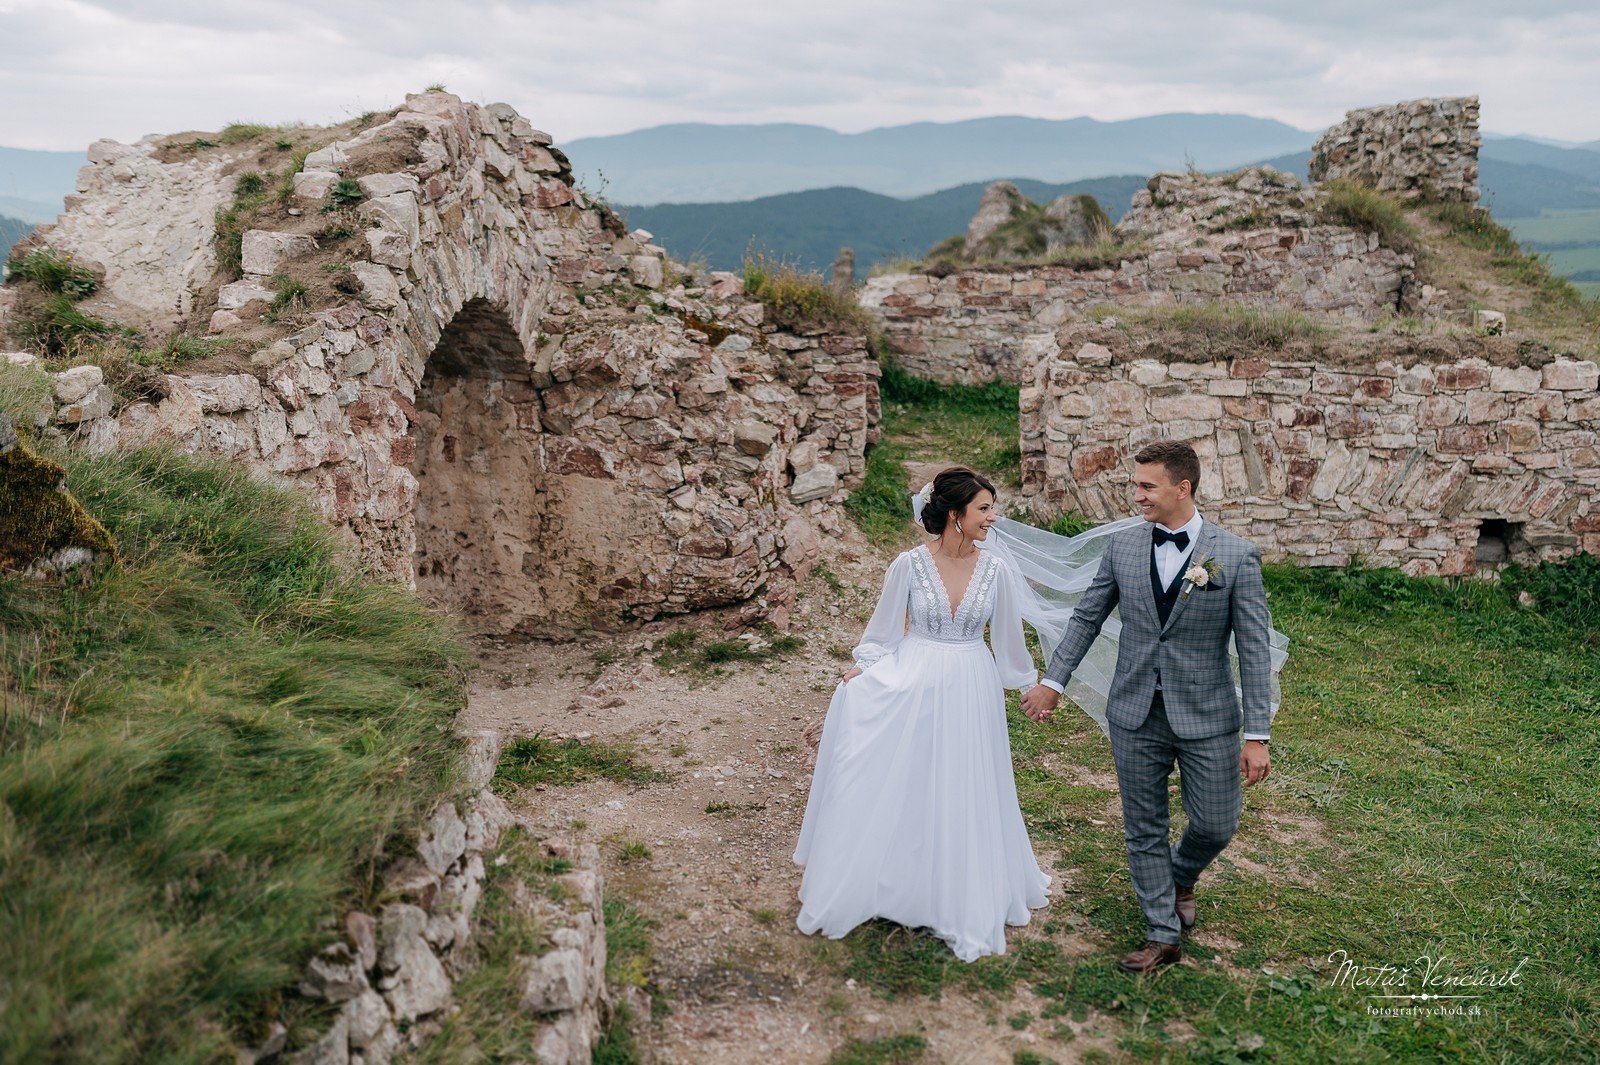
x=1202 y=548
x=1141 y=572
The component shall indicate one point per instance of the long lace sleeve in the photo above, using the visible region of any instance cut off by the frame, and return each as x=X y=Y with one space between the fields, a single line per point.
x=888 y=625
x=1005 y=633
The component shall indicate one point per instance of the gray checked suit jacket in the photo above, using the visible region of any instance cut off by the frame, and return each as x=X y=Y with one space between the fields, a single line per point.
x=1189 y=653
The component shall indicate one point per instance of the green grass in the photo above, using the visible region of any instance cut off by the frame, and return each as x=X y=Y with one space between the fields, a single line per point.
x=530 y=760
x=630 y=948
x=55 y=328
x=1069 y=524
x=1028 y=1057
x=205 y=753
x=291 y=295
x=27 y=394
x=973 y=425
x=251 y=191
x=967 y=425
x=617 y=1045
x=177 y=350
x=633 y=850
x=889 y=1050
x=1567 y=591
x=683 y=650
x=1516 y=265
x=55 y=273
x=1442 y=741
x=881 y=507
x=1226 y=330
x=801 y=300
x=239 y=132
x=1103 y=254
x=1345 y=203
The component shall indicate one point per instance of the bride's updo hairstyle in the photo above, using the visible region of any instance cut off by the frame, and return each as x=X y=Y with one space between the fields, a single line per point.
x=953 y=489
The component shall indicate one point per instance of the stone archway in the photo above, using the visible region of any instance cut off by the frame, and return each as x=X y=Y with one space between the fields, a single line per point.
x=479 y=505
x=503 y=397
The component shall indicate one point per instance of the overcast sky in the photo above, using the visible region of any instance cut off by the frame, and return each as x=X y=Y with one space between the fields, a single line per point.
x=76 y=70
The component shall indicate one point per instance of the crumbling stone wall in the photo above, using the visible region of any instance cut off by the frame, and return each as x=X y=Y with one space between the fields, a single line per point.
x=505 y=398
x=392 y=971
x=1439 y=457
x=1419 y=149
x=1251 y=238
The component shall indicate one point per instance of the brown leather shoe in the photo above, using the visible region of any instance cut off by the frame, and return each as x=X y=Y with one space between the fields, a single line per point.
x=1184 y=905
x=1150 y=957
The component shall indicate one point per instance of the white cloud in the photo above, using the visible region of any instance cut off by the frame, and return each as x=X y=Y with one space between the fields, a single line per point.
x=82 y=69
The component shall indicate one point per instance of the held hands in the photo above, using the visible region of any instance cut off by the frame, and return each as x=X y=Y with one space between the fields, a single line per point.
x=1039 y=702
x=1254 y=762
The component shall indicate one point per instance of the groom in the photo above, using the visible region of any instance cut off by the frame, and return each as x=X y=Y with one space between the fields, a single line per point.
x=1184 y=587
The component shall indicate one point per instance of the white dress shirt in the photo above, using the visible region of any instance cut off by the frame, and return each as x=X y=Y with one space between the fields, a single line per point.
x=1169 y=558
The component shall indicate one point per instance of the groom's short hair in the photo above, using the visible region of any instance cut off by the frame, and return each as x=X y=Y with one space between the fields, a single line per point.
x=1179 y=460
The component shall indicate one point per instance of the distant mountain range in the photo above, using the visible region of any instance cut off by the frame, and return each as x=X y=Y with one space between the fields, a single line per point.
x=706 y=164
x=714 y=193
x=808 y=228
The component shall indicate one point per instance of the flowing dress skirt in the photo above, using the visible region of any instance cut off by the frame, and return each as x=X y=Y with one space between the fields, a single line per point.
x=913 y=811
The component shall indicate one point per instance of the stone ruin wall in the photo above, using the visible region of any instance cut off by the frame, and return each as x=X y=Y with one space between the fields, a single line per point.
x=1437 y=461
x=520 y=408
x=1191 y=240
x=977 y=326
x=1252 y=238
x=1417 y=150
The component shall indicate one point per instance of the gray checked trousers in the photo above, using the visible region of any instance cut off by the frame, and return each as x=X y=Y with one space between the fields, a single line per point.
x=1209 y=775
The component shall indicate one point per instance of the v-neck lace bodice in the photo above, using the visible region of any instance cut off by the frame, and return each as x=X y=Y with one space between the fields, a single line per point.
x=931 y=613
x=912 y=589
x=951 y=605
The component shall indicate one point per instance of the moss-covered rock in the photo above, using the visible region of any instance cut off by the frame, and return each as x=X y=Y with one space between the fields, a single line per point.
x=1010 y=228
x=40 y=522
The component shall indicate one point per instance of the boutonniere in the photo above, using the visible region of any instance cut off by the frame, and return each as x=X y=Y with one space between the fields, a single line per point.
x=1200 y=574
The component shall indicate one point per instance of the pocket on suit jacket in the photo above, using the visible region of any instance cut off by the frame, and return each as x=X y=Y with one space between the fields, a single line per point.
x=1208 y=597
x=1206 y=678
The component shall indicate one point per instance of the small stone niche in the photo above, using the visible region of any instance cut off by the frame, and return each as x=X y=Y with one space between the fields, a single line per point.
x=1499 y=541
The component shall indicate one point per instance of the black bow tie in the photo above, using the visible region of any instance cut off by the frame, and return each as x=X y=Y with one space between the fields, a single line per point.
x=1180 y=540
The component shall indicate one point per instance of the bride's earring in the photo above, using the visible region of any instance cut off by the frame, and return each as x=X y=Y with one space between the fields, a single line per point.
x=959 y=529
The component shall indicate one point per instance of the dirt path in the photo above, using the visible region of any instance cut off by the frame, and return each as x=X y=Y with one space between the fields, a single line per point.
x=742 y=984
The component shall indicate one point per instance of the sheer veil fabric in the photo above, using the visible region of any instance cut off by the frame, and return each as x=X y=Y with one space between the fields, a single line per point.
x=1055 y=572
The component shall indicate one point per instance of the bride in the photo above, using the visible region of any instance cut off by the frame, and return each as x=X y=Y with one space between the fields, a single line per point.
x=913 y=811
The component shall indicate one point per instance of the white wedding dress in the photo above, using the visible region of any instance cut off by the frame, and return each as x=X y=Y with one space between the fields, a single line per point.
x=913 y=811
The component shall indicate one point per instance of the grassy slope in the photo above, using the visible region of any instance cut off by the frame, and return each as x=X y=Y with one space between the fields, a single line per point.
x=1482 y=263
x=204 y=753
